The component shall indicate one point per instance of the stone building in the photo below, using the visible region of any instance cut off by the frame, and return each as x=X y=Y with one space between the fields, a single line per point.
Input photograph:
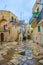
x=38 y=21
x=8 y=26
x=36 y=6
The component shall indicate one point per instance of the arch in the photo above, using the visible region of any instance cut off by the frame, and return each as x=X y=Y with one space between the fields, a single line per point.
x=2 y=20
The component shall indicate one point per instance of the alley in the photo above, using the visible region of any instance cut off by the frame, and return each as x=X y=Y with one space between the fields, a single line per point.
x=28 y=53
x=21 y=32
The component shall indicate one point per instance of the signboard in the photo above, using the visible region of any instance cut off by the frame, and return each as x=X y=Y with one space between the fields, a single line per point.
x=36 y=13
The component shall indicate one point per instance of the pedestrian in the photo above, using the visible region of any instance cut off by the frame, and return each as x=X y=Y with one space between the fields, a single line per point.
x=20 y=35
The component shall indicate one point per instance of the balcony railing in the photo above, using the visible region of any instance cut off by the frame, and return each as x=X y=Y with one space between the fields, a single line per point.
x=13 y=20
x=40 y=16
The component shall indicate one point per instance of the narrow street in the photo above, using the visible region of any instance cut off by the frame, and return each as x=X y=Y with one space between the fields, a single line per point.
x=27 y=53
x=21 y=32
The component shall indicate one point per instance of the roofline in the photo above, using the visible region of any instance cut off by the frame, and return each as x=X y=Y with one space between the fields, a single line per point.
x=9 y=12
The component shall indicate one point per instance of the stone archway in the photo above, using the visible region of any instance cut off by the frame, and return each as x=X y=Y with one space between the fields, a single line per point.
x=2 y=23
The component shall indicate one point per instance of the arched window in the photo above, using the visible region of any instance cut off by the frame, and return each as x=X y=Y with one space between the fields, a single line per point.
x=13 y=20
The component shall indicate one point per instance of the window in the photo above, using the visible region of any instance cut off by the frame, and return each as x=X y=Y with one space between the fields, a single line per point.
x=13 y=20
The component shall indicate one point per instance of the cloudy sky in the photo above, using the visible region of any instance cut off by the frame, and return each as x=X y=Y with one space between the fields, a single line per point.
x=21 y=8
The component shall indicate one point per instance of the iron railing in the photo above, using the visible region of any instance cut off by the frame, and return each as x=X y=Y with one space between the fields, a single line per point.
x=40 y=17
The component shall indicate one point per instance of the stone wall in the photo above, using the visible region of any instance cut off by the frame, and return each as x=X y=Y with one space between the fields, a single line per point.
x=7 y=15
x=37 y=36
x=13 y=31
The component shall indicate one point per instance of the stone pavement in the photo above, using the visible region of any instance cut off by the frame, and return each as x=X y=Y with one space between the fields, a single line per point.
x=13 y=54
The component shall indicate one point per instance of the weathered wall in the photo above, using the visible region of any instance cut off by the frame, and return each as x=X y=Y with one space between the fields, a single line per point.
x=38 y=36
x=13 y=28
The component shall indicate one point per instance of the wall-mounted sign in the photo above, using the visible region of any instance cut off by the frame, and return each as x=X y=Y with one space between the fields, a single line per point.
x=36 y=13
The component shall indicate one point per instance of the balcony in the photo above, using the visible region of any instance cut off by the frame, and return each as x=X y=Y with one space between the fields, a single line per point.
x=13 y=20
x=40 y=17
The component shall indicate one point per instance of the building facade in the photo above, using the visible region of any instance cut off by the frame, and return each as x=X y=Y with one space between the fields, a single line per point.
x=8 y=27
x=38 y=23
x=37 y=6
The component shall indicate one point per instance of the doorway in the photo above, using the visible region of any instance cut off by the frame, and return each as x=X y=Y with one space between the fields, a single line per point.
x=2 y=37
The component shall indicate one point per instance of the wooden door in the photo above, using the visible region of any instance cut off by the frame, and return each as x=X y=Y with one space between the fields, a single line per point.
x=2 y=36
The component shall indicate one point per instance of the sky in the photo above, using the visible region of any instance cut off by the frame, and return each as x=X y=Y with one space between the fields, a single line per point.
x=21 y=8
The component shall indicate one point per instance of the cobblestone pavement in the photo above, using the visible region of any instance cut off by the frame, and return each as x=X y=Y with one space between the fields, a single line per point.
x=13 y=54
